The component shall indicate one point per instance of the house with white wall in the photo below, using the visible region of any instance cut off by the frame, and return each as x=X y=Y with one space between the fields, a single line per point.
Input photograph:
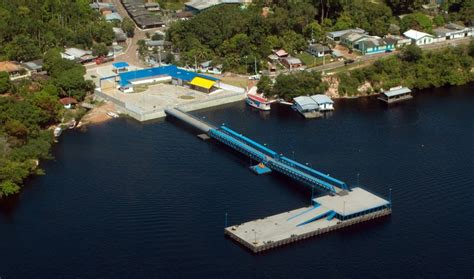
x=419 y=38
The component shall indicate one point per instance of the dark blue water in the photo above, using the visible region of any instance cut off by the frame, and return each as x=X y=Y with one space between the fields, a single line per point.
x=148 y=201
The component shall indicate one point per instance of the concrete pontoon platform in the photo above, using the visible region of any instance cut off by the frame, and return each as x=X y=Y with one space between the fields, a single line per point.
x=328 y=213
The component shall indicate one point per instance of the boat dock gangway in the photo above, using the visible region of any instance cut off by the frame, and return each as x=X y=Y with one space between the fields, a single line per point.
x=264 y=155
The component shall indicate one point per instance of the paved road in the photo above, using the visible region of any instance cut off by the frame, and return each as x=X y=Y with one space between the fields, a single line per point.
x=131 y=54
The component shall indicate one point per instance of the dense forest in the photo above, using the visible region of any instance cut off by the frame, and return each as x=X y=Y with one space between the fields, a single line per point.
x=414 y=69
x=29 y=30
x=236 y=36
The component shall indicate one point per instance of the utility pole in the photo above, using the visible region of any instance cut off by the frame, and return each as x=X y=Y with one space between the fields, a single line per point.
x=159 y=55
x=255 y=65
x=390 y=197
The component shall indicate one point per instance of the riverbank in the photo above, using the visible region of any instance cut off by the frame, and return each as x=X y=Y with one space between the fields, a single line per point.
x=412 y=68
x=98 y=114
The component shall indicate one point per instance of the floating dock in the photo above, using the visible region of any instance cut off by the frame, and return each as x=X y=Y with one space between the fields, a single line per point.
x=342 y=206
x=328 y=213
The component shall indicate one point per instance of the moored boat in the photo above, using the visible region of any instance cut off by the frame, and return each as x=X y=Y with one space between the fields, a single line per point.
x=112 y=114
x=257 y=100
x=57 y=131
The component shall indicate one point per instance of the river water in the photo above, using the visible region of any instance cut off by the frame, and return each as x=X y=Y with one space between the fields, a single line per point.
x=148 y=200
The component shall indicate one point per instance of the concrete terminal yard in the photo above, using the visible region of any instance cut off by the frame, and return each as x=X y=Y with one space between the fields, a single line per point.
x=149 y=101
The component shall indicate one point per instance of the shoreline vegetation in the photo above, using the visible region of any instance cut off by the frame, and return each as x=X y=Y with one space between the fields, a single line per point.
x=30 y=109
x=412 y=68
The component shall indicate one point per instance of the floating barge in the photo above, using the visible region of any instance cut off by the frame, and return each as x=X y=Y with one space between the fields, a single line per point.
x=314 y=106
x=395 y=95
x=328 y=213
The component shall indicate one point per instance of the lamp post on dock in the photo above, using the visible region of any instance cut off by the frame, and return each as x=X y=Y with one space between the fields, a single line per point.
x=390 y=197
x=225 y=222
x=344 y=209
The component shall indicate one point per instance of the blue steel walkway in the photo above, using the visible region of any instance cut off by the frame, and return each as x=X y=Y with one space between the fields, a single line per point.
x=274 y=161
x=262 y=154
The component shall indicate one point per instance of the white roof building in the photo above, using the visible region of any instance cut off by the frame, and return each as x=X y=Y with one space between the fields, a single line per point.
x=305 y=103
x=419 y=38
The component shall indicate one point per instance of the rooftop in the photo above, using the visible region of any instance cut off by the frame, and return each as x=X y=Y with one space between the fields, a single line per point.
x=76 y=52
x=120 y=65
x=307 y=103
x=34 y=65
x=319 y=48
x=206 y=4
x=357 y=200
x=293 y=60
x=113 y=16
x=396 y=91
x=280 y=53
x=322 y=99
x=202 y=82
x=339 y=33
x=416 y=35
x=172 y=70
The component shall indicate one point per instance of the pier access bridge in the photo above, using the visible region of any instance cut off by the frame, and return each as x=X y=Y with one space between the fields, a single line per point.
x=266 y=157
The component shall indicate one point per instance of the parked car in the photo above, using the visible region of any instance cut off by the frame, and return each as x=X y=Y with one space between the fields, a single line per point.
x=349 y=61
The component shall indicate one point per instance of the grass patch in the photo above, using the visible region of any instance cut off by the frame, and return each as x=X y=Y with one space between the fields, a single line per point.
x=236 y=81
x=310 y=60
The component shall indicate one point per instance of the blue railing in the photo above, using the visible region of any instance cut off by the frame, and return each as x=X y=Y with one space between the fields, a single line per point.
x=250 y=142
x=338 y=183
x=256 y=152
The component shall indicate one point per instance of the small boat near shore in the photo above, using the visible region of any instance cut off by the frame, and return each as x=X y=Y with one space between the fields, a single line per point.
x=57 y=131
x=257 y=101
x=72 y=124
x=112 y=114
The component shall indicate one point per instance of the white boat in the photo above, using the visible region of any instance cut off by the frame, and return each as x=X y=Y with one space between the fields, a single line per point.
x=72 y=124
x=57 y=131
x=112 y=114
x=258 y=101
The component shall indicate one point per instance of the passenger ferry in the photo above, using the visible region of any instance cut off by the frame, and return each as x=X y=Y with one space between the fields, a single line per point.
x=257 y=100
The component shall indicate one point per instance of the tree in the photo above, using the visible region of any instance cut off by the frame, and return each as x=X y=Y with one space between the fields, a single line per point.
x=438 y=20
x=471 y=48
x=8 y=188
x=157 y=37
x=411 y=53
x=264 y=85
x=314 y=31
x=100 y=49
x=22 y=48
x=417 y=21
x=298 y=84
x=4 y=82
x=128 y=27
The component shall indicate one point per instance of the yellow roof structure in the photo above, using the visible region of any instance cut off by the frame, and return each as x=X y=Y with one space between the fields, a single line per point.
x=202 y=82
